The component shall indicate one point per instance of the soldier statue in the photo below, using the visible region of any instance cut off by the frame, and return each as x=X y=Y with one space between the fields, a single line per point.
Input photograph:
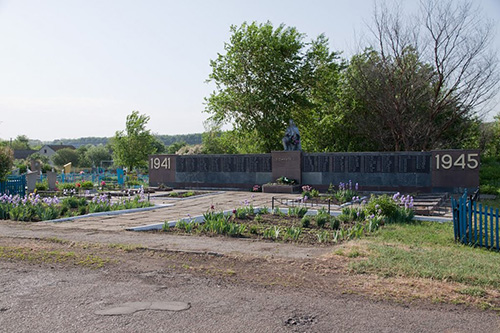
x=291 y=140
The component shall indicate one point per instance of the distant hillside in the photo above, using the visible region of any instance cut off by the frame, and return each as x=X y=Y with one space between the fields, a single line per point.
x=167 y=140
x=79 y=141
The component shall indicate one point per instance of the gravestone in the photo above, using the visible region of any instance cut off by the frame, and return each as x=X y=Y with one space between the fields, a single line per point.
x=51 y=179
x=35 y=165
x=31 y=179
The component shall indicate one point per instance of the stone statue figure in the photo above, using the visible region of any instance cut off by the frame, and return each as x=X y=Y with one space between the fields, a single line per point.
x=291 y=140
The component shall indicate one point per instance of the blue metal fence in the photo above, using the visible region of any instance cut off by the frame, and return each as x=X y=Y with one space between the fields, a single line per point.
x=14 y=185
x=475 y=224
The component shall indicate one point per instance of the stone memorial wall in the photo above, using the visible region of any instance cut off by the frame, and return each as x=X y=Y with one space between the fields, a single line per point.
x=447 y=170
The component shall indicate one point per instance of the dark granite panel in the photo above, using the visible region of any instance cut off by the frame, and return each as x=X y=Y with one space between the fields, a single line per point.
x=315 y=163
x=224 y=163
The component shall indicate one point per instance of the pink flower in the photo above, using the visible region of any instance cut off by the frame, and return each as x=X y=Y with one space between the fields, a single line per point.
x=103 y=183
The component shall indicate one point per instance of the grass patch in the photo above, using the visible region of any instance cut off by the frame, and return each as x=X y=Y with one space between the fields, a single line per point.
x=51 y=257
x=428 y=250
x=125 y=247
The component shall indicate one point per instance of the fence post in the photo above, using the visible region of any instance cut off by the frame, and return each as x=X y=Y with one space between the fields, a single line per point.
x=498 y=247
x=480 y=225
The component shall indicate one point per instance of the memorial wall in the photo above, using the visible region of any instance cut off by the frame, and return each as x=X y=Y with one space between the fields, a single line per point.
x=445 y=170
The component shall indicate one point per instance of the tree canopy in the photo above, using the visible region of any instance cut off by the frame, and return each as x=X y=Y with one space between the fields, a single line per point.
x=6 y=161
x=422 y=82
x=132 y=146
x=259 y=81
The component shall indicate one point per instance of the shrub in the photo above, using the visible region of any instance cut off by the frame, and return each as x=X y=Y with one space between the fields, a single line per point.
x=354 y=213
x=306 y=221
x=345 y=192
x=382 y=205
x=334 y=223
x=292 y=233
x=42 y=186
x=489 y=189
x=87 y=185
x=66 y=186
x=297 y=211
x=322 y=219
x=388 y=206
x=309 y=191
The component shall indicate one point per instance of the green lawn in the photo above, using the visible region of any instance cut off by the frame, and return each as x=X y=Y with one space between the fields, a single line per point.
x=428 y=250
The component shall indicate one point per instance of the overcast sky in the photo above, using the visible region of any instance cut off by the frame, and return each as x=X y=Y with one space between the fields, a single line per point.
x=76 y=68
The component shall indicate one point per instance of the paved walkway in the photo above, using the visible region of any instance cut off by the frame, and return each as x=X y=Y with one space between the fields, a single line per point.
x=181 y=208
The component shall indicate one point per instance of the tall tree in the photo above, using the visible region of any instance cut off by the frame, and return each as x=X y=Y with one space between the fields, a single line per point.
x=321 y=119
x=97 y=154
x=132 y=147
x=6 y=161
x=66 y=155
x=259 y=81
x=21 y=142
x=425 y=79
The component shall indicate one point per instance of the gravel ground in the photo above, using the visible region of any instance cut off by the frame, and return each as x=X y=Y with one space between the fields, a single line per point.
x=51 y=299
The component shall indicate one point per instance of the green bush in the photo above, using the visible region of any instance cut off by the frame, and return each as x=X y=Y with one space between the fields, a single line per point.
x=489 y=189
x=66 y=186
x=297 y=211
x=489 y=173
x=87 y=185
x=42 y=186
x=322 y=219
x=306 y=221
x=334 y=223
x=382 y=205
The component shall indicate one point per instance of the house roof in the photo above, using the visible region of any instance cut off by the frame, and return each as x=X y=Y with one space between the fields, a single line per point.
x=58 y=147
x=21 y=154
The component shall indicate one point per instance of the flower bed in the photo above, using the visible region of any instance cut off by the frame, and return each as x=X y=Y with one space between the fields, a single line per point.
x=297 y=224
x=32 y=208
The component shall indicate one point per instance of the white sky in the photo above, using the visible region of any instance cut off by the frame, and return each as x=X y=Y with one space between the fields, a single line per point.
x=77 y=68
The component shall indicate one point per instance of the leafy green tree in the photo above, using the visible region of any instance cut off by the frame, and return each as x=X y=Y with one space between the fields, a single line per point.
x=158 y=145
x=83 y=161
x=390 y=102
x=322 y=124
x=38 y=157
x=97 y=154
x=132 y=146
x=66 y=155
x=424 y=80
x=21 y=142
x=6 y=162
x=259 y=81
x=174 y=147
